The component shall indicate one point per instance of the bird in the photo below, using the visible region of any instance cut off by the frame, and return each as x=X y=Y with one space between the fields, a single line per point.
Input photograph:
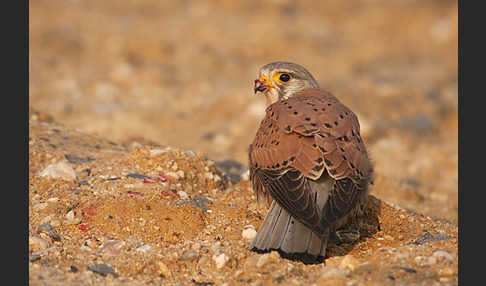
x=307 y=164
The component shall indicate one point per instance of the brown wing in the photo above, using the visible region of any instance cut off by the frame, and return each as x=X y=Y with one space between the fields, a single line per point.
x=307 y=134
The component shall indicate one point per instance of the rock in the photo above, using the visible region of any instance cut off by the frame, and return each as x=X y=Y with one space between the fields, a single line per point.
x=189 y=255
x=36 y=243
x=249 y=232
x=102 y=269
x=144 y=248
x=349 y=262
x=59 y=170
x=183 y=195
x=49 y=230
x=267 y=258
x=78 y=160
x=245 y=176
x=444 y=254
x=156 y=152
x=447 y=271
x=220 y=260
x=172 y=175
x=111 y=248
x=40 y=206
x=164 y=270
x=332 y=271
x=70 y=215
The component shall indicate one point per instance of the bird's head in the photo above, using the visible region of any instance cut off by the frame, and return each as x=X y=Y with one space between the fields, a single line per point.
x=281 y=80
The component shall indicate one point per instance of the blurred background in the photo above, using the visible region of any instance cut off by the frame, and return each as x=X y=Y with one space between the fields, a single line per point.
x=181 y=73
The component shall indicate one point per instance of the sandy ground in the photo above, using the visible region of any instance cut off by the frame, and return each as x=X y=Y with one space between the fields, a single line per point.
x=124 y=89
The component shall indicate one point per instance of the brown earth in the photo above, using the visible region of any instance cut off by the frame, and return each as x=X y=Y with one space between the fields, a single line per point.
x=152 y=87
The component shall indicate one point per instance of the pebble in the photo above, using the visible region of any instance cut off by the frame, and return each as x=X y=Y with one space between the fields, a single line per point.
x=102 y=269
x=36 y=243
x=173 y=175
x=156 y=152
x=332 y=271
x=249 y=232
x=220 y=260
x=49 y=230
x=60 y=170
x=164 y=270
x=349 y=262
x=40 y=206
x=444 y=254
x=111 y=248
x=70 y=215
x=144 y=248
x=245 y=176
x=267 y=258
x=447 y=271
x=189 y=255
x=182 y=194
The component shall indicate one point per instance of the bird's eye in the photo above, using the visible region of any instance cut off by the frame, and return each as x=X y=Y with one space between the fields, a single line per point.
x=285 y=77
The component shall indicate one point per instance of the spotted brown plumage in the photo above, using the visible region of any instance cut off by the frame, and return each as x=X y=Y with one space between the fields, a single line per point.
x=308 y=162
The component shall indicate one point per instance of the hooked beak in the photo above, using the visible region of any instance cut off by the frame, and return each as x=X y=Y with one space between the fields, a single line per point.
x=261 y=85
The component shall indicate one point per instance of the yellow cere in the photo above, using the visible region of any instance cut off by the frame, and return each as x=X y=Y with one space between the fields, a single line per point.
x=265 y=80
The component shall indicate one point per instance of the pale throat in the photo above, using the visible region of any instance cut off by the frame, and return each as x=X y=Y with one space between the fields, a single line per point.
x=271 y=97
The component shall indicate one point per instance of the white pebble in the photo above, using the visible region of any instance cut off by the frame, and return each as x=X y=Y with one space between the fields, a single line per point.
x=53 y=200
x=249 y=232
x=144 y=248
x=36 y=243
x=59 y=170
x=173 y=175
x=349 y=262
x=445 y=254
x=155 y=152
x=183 y=194
x=40 y=206
x=220 y=260
x=245 y=176
x=70 y=215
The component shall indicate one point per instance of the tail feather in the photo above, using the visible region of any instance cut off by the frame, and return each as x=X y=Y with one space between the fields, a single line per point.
x=280 y=231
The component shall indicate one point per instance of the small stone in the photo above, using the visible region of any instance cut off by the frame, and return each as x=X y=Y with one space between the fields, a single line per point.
x=164 y=270
x=332 y=271
x=181 y=174
x=172 y=175
x=249 y=232
x=102 y=269
x=220 y=260
x=183 y=194
x=53 y=200
x=39 y=206
x=430 y=261
x=144 y=248
x=156 y=152
x=92 y=243
x=444 y=254
x=245 y=176
x=111 y=248
x=267 y=258
x=189 y=255
x=447 y=271
x=349 y=262
x=49 y=230
x=36 y=243
x=70 y=215
x=60 y=170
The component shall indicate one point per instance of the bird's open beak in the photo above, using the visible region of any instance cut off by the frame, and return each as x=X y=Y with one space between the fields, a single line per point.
x=261 y=85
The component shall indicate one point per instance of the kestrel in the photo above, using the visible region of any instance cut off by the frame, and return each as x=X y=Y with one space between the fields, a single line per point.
x=308 y=163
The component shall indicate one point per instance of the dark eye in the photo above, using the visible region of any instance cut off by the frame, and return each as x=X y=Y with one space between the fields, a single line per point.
x=285 y=77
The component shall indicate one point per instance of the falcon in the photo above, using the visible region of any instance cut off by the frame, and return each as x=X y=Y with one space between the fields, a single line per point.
x=308 y=163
